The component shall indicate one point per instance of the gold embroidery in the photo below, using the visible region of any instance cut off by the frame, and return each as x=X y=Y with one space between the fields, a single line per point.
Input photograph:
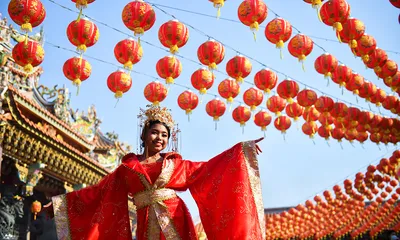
x=249 y=151
x=61 y=217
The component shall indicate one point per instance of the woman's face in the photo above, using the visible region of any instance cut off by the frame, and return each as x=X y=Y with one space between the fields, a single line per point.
x=156 y=138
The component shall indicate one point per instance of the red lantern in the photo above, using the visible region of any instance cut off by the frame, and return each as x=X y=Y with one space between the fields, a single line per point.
x=306 y=98
x=294 y=110
x=365 y=46
x=253 y=98
x=211 y=53
x=390 y=103
x=188 y=101
x=173 y=35
x=215 y=109
x=82 y=33
x=265 y=80
x=218 y=4
x=338 y=134
x=77 y=70
x=262 y=119
x=324 y=104
x=326 y=64
x=335 y=13
x=376 y=60
x=241 y=114
x=229 y=89
x=119 y=83
x=367 y=90
x=155 y=92
x=395 y=3
x=339 y=111
x=128 y=52
x=276 y=104
x=326 y=119
x=311 y=114
x=202 y=80
x=36 y=208
x=342 y=75
x=169 y=68
x=238 y=67
x=278 y=31
x=27 y=13
x=282 y=123
x=389 y=69
x=300 y=46
x=252 y=13
x=353 y=29
x=288 y=90
x=138 y=17
x=378 y=97
x=28 y=55
x=395 y=83
x=309 y=128
x=355 y=83
x=325 y=132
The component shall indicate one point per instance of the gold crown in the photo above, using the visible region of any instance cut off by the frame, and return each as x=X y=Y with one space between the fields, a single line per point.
x=157 y=113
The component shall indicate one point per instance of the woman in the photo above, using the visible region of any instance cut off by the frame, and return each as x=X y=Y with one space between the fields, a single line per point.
x=226 y=189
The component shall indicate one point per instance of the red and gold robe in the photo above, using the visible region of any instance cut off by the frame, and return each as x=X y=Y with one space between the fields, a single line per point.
x=227 y=191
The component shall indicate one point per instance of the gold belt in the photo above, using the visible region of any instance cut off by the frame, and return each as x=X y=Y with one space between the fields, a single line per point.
x=152 y=196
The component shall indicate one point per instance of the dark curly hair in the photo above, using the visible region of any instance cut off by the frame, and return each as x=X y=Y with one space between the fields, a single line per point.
x=151 y=124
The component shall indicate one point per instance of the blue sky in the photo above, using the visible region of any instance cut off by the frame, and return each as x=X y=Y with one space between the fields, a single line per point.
x=292 y=170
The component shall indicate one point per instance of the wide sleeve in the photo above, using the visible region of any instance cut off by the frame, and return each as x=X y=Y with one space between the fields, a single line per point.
x=227 y=191
x=96 y=212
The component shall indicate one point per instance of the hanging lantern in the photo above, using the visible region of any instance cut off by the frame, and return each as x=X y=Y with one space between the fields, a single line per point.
x=262 y=119
x=28 y=55
x=138 y=17
x=306 y=98
x=300 y=46
x=265 y=80
x=238 y=67
x=342 y=75
x=282 y=123
x=173 y=35
x=326 y=119
x=169 y=68
x=378 y=97
x=390 y=103
x=36 y=208
x=215 y=109
x=325 y=132
x=218 y=4
x=253 y=98
x=395 y=3
x=353 y=29
x=395 y=82
x=119 y=83
x=229 y=89
x=252 y=13
x=288 y=89
x=241 y=114
x=355 y=83
x=365 y=46
x=211 y=53
x=188 y=101
x=294 y=110
x=376 y=60
x=389 y=69
x=27 y=13
x=339 y=111
x=326 y=64
x=324 y=104
x=338 y=134
x=309 y=128
x=77 y=70
x=128 y=52
x=316 y=4
x=202 y=80
x=155 y=92
x=311 y=114
x=276 y=104
x=278 y=31
x=82 y=33
x=335 y=13
x=367 y=90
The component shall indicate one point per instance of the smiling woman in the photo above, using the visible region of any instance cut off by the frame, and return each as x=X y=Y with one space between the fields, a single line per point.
x=226 y=189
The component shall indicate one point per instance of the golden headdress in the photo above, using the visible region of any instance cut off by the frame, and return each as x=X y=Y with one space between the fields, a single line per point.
x=156 y=113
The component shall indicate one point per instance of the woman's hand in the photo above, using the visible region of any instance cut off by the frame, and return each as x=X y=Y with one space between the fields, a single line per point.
x=258 y=149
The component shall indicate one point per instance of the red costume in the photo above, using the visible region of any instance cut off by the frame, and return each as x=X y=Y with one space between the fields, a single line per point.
x=226 y=189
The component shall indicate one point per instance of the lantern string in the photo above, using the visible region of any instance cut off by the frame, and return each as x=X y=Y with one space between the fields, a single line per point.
x=208 y=36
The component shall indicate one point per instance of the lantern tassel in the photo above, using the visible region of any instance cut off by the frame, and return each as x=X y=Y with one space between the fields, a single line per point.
x=116 y=103
x=79 y=15
x=319 y=14
x=77 y=82
x=281 y=53
x=242 y=128
x=174 y=49
x=188 y=113
x=341 y=145
x=218 y=12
